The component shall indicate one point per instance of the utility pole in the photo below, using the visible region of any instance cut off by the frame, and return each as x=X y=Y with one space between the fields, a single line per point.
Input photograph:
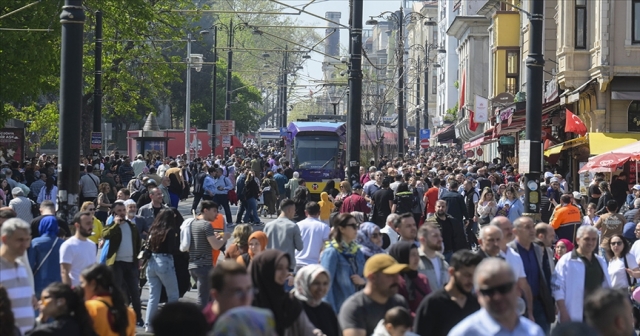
x=418 y=104
x=533 y=130
x=354 y=111
x=227 y=105
x=285 y=63
x=214 y=84
x=97 y=85
x=400 y=63
x=72 y=20
x=187 y=116
x=425 y=111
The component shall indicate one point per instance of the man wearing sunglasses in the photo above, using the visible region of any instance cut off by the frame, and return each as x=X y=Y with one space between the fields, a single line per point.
x=495 y=284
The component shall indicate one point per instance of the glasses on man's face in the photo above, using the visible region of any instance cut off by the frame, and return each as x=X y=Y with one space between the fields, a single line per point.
x=502 y=289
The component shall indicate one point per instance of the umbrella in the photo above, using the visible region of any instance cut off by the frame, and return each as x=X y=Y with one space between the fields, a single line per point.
x=607 y=162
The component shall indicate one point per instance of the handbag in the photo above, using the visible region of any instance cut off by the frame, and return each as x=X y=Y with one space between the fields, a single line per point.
x=46 y=256
x=632 y=284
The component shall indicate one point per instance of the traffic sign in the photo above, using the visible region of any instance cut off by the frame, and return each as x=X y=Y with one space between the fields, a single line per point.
x=96 y=140
x=469 y=154
x=226 y=141
x=424 y=143
x=283 y=131
x=425 y=133
x=225 y=127
x=479 y=151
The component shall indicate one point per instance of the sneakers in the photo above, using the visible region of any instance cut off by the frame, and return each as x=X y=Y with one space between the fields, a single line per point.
x=141 y=324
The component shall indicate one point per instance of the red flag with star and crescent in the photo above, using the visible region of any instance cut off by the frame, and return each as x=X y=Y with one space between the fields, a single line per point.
x=574 y=124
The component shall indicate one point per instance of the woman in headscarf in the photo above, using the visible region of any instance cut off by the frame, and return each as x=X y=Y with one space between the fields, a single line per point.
x=269 y=271
x=343 y=260
x=300 y=199
x=293 y=184
x=44 y=255
x=245 y=321
x=326 y=207
x=370 y=239
x=311 y=285
x=563 y=246
x=413 y=286
x=257 y=243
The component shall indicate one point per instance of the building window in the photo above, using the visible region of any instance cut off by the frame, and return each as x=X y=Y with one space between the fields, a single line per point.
x=634 y=116
x=513 y=71
x=434 y=80
x=435 y=36
x=635 y=21
x=581 y=24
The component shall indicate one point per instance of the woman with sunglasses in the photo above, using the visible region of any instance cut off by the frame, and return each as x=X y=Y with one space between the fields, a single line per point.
x=623 y=268
x=344 y=260
x=63 y=313
x=370 y=239
x=96 y=235
x=345 y=191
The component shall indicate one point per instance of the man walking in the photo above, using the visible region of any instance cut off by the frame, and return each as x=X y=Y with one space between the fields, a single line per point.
x=283 y=234
x=432 y=263
x=314 y=234
x=452 y=230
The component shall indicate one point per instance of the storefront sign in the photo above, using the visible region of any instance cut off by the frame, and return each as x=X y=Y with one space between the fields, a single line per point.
x=524 y=150
x=551 y=90
x=473 y=144
x=507 y=113
x=11 y=144
x=481 y=110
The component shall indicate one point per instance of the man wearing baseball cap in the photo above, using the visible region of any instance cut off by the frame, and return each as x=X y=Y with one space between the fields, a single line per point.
x=362 y=311
x=635 y=193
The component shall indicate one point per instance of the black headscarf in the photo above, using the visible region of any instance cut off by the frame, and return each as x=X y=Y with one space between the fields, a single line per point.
x=271 y=295
x=400 y=251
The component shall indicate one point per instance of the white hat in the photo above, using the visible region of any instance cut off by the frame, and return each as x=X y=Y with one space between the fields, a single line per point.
x=577 y=195
x=548 y=175
x=553 y=179
x=636 y=187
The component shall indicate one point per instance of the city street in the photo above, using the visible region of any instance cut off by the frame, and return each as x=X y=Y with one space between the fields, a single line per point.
x=185 y=210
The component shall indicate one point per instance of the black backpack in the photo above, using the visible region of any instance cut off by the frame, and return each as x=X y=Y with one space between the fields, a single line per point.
x=198 y=186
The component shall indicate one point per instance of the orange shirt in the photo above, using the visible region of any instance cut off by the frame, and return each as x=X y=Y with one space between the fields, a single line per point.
x=432 y=197
x=99 y=313
x=218 y=225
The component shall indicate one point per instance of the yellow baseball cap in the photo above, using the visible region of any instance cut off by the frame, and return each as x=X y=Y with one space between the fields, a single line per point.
x=383 y=263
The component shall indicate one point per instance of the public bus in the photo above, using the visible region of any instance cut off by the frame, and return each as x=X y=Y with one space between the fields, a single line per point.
x=316 y=150
x=267 y=136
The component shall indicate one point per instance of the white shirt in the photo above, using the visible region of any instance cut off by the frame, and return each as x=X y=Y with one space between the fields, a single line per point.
x=314 y=234
x=635 y=250
x=515 y=261
x=79 y=254
x=391 y=233
x=617 y=272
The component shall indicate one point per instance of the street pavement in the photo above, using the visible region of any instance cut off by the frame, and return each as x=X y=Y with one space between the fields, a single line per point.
x=185 y=209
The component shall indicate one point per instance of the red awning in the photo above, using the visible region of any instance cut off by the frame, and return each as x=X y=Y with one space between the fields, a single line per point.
x=442 y=131
x=473 y=144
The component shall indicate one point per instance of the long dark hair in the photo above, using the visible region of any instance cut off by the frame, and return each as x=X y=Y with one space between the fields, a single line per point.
x=626 y=247
x=49 y=184
x=7 y=321
x=161 y=225
x=331 y=184
x=102 y=275
x=75 y=306
x=339 y=220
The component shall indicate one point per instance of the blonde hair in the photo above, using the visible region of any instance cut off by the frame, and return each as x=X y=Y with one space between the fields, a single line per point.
x=241 y=234
x=85 y=205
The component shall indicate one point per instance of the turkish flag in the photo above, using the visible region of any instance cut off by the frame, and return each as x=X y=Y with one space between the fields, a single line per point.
x=573 y=124
x=473 y=126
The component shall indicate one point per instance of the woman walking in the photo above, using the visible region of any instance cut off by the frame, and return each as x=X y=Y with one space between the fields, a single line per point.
x=251 y=193
x=164 y=241
x=343 y=260
x=240 y=244
x=487 y=206
x=62 y=313
x=300 y=199
x=105 y=303
x=270 y=192
x=49 y=192
x=257 y=243
x=370 y=239
x=103 y=202
x=413 y=286
x=311 y=285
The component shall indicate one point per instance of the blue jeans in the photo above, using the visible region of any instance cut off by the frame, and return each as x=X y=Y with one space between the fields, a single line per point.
x=161 y=272
x=252 y=211
x=201 y=274
x=175 y=199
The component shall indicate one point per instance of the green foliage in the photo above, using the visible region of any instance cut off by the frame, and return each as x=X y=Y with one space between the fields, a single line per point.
x=452 y=114
x=41 y=120
x=456 y=84
x=303 y=108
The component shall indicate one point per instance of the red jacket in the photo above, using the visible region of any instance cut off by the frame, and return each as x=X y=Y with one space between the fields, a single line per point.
x=355 y=202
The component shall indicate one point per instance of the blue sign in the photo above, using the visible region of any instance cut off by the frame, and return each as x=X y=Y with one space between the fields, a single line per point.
x=283 y=131
x=425 y=133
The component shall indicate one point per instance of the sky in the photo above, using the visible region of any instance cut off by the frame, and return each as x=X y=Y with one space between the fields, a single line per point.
x=313 y=67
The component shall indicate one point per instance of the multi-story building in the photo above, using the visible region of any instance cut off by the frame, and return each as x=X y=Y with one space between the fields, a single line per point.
x=420 y=74
x=377 y=91
x=333 y=96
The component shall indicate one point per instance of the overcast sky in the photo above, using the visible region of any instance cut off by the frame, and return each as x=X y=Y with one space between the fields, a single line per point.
x=313 y=67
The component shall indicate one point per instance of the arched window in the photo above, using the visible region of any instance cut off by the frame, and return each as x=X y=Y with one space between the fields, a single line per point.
x=634 y=116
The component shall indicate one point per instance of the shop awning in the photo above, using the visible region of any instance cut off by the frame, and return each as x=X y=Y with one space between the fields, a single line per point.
x=447 y=134
x=474 y=142
x=598 y=142
x=569 y=97
x=442 y=130
x=625 y=88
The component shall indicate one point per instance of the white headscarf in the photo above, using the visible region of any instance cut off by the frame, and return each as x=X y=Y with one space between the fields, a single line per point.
x=303 y=280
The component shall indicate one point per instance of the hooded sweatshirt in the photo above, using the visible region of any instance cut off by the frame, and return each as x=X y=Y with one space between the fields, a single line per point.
x=325 y=206
x=44 y=264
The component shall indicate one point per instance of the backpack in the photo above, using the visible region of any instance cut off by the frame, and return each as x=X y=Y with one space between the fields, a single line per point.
x=198 y=185
x=136 y=194
x=185 y=235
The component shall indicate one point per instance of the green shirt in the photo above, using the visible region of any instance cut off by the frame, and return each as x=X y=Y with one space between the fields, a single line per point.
x=593 y=273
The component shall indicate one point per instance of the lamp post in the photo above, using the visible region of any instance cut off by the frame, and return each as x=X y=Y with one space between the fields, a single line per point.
x=399 y=18
x=428 y=62
x=187 y=118
x=354 y=112
x=97 y=86
x=214 y=83
x=72 y=20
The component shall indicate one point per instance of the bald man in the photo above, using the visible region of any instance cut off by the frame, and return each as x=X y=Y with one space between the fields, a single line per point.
x=489 y=241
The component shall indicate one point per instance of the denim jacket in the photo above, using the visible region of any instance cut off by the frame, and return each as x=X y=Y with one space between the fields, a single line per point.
x=340 y=271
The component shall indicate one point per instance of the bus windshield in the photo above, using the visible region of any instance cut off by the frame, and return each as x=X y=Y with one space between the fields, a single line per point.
x=316 y=152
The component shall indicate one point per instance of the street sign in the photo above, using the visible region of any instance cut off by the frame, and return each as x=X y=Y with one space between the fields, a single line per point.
x=194 y=130
x=479 y=151
x=469 y=154
x=96 y=140
x=388 y=119
x=424 y=143
x=225 y=127
x=425 y=133
x=226 y=141
x=283 y=131
x=523 y=156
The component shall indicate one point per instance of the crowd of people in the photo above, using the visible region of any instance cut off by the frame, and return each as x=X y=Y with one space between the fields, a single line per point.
x=430 y=244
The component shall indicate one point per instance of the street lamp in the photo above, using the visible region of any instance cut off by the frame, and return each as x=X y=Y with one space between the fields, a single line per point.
x=193 y=61
x=427 y=49
x=398 y=17
x=214 y=82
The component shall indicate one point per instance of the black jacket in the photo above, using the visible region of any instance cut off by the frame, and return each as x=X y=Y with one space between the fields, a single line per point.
x=64 y=326
x=455 y=205
x=453 y=234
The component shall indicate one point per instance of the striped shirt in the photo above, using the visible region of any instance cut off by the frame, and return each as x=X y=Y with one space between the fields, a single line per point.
x=14 y=278
x=200 y=250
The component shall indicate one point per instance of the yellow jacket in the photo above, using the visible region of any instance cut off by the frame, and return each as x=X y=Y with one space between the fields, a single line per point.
x=325 y=206
x=97 y=231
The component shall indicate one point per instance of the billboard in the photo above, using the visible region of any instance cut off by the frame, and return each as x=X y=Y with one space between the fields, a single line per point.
x=11 y=144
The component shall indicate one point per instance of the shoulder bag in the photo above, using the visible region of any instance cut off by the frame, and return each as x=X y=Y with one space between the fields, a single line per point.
x=46 y=256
